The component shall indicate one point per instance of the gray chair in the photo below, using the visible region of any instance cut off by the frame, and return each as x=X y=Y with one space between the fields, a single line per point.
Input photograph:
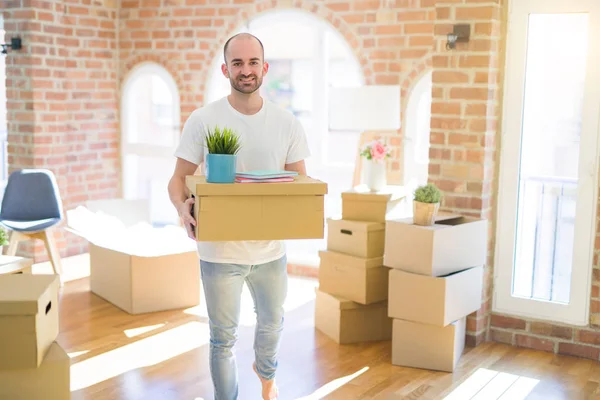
x=30 y=207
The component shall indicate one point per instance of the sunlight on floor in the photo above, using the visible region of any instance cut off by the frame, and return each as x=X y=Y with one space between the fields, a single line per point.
x=145 y=352
x=300 y=291
x=141 y=330
x=332 y=386
x=486 y=384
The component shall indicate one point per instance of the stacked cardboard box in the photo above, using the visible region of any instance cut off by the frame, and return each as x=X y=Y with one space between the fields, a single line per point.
x=32 y=364
x=351 y=302
x=436 y=280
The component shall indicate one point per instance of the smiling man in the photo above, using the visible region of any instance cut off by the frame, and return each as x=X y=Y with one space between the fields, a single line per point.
x=272 y=139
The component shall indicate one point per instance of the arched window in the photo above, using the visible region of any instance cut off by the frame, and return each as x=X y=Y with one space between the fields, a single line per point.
x=150 y=125
x=417 y=127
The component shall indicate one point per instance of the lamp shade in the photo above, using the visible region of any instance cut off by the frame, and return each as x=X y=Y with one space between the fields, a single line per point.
x=374 y=107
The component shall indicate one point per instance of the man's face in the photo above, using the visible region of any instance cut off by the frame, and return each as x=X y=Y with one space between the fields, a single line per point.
x=245 y=66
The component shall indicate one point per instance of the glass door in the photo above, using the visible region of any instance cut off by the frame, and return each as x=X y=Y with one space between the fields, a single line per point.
x=549 y=161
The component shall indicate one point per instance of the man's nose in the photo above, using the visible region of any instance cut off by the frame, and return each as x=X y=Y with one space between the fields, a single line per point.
x=246 y=70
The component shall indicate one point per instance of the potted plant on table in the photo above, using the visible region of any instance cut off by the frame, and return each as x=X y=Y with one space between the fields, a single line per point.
x=375 y=154
x=223 y=146
x=3 y=238
x=426 y=204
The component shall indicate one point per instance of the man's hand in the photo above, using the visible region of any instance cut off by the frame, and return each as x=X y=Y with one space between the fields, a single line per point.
x=187 y=218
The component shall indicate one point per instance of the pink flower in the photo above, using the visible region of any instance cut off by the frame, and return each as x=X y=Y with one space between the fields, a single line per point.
x=378 y=151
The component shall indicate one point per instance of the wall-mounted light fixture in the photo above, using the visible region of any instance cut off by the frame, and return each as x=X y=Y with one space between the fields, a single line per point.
x=460 y=34
x=15 y=44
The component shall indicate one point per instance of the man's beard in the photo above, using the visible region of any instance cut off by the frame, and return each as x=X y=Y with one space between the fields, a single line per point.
x=246 y=88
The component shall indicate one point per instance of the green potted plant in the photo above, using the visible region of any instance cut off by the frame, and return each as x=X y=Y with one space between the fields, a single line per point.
x=223 y=146
x=426 y=204
x=3 y=238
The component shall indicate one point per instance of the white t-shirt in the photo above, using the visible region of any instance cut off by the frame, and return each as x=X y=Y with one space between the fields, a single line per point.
x=269 y=139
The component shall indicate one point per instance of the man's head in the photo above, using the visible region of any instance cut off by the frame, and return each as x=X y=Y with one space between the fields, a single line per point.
x=244 y=62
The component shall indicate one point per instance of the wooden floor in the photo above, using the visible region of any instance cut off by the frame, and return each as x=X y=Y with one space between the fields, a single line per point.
x=165 y=356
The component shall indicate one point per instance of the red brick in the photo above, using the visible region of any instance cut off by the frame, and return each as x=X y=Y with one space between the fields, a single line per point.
x=533 y=342
x=506 y=337
x=579 y=350
x=501 y=321
x=546 y=329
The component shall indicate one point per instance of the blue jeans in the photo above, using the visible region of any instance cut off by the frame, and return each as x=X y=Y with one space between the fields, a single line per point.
x=223 y=285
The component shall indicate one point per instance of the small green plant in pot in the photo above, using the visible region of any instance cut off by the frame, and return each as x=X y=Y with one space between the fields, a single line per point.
x=223 y=146
x=3 y=238
x=426 y=204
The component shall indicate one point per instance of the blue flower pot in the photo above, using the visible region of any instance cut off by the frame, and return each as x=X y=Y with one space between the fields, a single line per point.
x=220 y=168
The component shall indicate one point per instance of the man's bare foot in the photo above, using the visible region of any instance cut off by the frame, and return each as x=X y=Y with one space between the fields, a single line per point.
x=269 y=388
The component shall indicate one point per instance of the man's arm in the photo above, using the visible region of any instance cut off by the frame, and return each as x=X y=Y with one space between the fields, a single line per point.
x=178 y=194
x=299 y=167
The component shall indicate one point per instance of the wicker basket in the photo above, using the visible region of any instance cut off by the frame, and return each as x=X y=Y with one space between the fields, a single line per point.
x=424 y=213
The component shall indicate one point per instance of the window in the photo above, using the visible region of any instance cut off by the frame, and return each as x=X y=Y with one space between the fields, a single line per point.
x=416 y=132
x=306 y=56
x=549 y=166
x=149 y=136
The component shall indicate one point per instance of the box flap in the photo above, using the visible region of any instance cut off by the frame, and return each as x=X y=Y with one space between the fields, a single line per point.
x=338 y=302
x=20 y=294
x=387 y=194
x=355 y=226
x=350 y=261
x=442 y=221
x=302 y=185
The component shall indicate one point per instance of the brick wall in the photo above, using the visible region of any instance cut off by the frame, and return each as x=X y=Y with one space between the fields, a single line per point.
x=62 y=100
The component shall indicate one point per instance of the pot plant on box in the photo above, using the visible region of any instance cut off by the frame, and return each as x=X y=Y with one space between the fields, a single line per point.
x=426 y=204
x=223 y=146
x=374 y=169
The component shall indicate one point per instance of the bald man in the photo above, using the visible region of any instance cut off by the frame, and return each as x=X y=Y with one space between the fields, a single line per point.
x=272 y=139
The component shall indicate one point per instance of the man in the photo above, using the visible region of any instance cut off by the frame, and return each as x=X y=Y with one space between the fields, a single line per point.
x=272 y=139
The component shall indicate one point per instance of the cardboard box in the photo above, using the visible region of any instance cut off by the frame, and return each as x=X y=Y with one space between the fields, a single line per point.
x=356 y=238
x=452 y=244
x=362 y=280
x=360 y=204
x=434 y=300
x=346 y=322
x=138 y=284
x=51 y=380
x=133 y=265
x=258 y=211
x=28 y=319
x=427 y=346
x=15 y=265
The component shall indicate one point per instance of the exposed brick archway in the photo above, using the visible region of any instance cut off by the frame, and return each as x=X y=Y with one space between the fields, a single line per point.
x=317 y=9
x=133 y=62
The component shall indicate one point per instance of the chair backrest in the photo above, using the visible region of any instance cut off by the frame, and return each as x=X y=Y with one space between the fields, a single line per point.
x=31 y=195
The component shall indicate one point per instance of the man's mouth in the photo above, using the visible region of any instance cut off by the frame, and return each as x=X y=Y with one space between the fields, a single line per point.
x=247 y=80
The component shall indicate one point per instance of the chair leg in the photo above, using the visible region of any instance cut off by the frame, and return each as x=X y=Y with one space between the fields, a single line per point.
x=53 y=252
x=13 y=242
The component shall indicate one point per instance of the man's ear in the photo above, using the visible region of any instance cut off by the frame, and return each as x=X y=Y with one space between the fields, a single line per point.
x=265 y=68
x=224 y=70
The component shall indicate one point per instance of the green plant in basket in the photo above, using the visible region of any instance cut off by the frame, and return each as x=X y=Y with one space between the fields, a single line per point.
x=222 y=141
x=428 y=194
x=426 y=204
x=3 y=237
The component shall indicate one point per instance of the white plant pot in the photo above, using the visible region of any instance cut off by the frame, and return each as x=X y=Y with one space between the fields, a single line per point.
x=375 y=175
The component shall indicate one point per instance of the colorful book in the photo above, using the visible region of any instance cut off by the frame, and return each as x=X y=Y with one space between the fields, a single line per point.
x=267 y=180
x=266 y=174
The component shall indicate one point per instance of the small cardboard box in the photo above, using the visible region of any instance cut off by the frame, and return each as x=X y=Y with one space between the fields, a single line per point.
x=427 y=346
x=356 y=238
x=51 y=380
x=347 y=322
x=452 y=244
x=28 y=319
x=362 y=280
x=138 y=284
x=258 y=211
x=360 y=204
x=434 y=300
